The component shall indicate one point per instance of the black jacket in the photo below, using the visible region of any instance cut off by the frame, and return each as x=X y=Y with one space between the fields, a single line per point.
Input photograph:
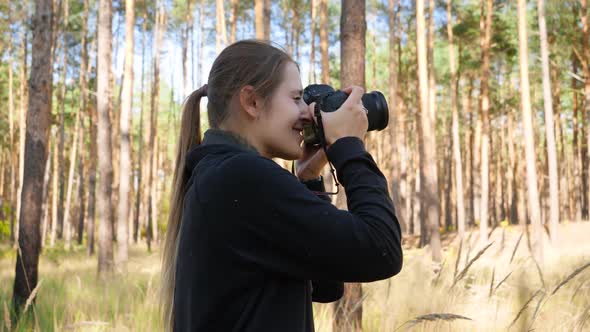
x=257 y=246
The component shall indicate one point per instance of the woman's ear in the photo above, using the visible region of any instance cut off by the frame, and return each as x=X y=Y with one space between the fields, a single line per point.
x=250 y=102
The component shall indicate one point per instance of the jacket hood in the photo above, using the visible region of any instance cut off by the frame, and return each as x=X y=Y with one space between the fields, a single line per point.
x=216 y=141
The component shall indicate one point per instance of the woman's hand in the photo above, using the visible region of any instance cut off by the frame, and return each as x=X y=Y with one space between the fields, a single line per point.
x=349 y=120
x=311 y=164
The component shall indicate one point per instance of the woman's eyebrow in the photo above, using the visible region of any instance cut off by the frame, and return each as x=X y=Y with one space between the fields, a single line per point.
x=298 y=92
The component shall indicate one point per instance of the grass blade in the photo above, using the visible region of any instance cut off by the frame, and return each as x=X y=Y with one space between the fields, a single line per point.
x=570 y=277
x=458 y=259
x=492 y=283
x=433 y=317
x=516 y=247
x=7 y=321
x=464 y=271
x=523 y=308
x=32 y=296
x=501 y=282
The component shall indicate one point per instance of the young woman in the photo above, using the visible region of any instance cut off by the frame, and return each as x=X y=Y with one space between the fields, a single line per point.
x=249 y=246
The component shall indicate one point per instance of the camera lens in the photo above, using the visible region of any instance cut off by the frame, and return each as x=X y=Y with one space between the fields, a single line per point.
x=378 y=112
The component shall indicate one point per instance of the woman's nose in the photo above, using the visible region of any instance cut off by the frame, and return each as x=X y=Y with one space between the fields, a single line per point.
x=307 y=112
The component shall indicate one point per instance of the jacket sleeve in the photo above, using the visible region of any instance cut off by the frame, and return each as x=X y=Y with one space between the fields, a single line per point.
x=324 y=291
x=276 y=223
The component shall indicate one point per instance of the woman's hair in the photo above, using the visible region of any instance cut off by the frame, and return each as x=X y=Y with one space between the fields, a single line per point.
x=247 y=62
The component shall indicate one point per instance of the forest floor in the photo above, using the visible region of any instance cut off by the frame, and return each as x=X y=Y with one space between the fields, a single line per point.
x=498 y=292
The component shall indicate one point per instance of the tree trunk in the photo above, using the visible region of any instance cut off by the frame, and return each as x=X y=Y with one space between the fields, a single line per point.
x=577 y=194
x=586 y=112
x=430 y=61
x=348 y=311
x=486 y=32
x=325 y=56
x=152 y=152
x=312 y=76
x=396 y=127
x=220 y=32
x=105 y=167
x=13 y=150
x=532 y=191
x=427 y=147
x=84 y=74
x=140 y=131
x=184 y=40
x=262 y=19
x=549 y=125
x=233 y=18
x=21 y=128
x=125 y=162
x=45 y=199
x=37 y=136
x=455 y=129
x=73 y=153
x=54 y=192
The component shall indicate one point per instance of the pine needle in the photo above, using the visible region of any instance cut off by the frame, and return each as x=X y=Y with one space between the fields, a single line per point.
x=7 y=321
x=516 y=247
x=523 y=308
x=432 y=318
x=570 y=277
x=464 y=271
x=32 y=296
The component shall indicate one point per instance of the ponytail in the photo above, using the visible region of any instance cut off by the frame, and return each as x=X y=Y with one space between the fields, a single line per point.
x=190 y=137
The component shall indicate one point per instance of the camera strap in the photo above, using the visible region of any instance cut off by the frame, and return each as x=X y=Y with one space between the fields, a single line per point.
x=323 y=143
x=320 y=125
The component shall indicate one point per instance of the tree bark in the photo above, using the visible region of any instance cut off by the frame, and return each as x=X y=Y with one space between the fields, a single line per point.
x=37 y=136
x=22 y=129
x=13 y=150
x=586 y=112
x=534 y=209
x=430 y=61
x=140 y=133
x=486 y=33
x=428 y=174
x=325 y=56
x=125 y=159
x=348 y=311
x=396 y=126
x=455 y=129
x=233 y=19
x=549 y=125
x=220 y=30
x=184 y=40
x=262 y=19
x=312 y=76
x=105 y=166
x=152 y=152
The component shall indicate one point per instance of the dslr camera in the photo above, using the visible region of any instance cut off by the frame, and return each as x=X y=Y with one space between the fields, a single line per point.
x=329 y=100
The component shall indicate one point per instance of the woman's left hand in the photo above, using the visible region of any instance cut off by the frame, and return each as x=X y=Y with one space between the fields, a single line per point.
x=312 y=163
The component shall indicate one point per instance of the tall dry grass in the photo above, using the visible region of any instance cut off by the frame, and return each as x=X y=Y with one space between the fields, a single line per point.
x=498 y=288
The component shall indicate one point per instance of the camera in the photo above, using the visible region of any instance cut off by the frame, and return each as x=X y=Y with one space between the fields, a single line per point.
x=329 y=100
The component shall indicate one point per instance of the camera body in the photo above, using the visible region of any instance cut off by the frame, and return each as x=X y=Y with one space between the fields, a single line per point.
x=329 y=100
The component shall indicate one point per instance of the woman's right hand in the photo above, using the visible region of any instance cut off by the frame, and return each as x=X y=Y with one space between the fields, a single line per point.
x=349 y=120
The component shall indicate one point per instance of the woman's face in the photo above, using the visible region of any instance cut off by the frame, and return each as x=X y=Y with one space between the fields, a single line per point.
x=281 y=123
